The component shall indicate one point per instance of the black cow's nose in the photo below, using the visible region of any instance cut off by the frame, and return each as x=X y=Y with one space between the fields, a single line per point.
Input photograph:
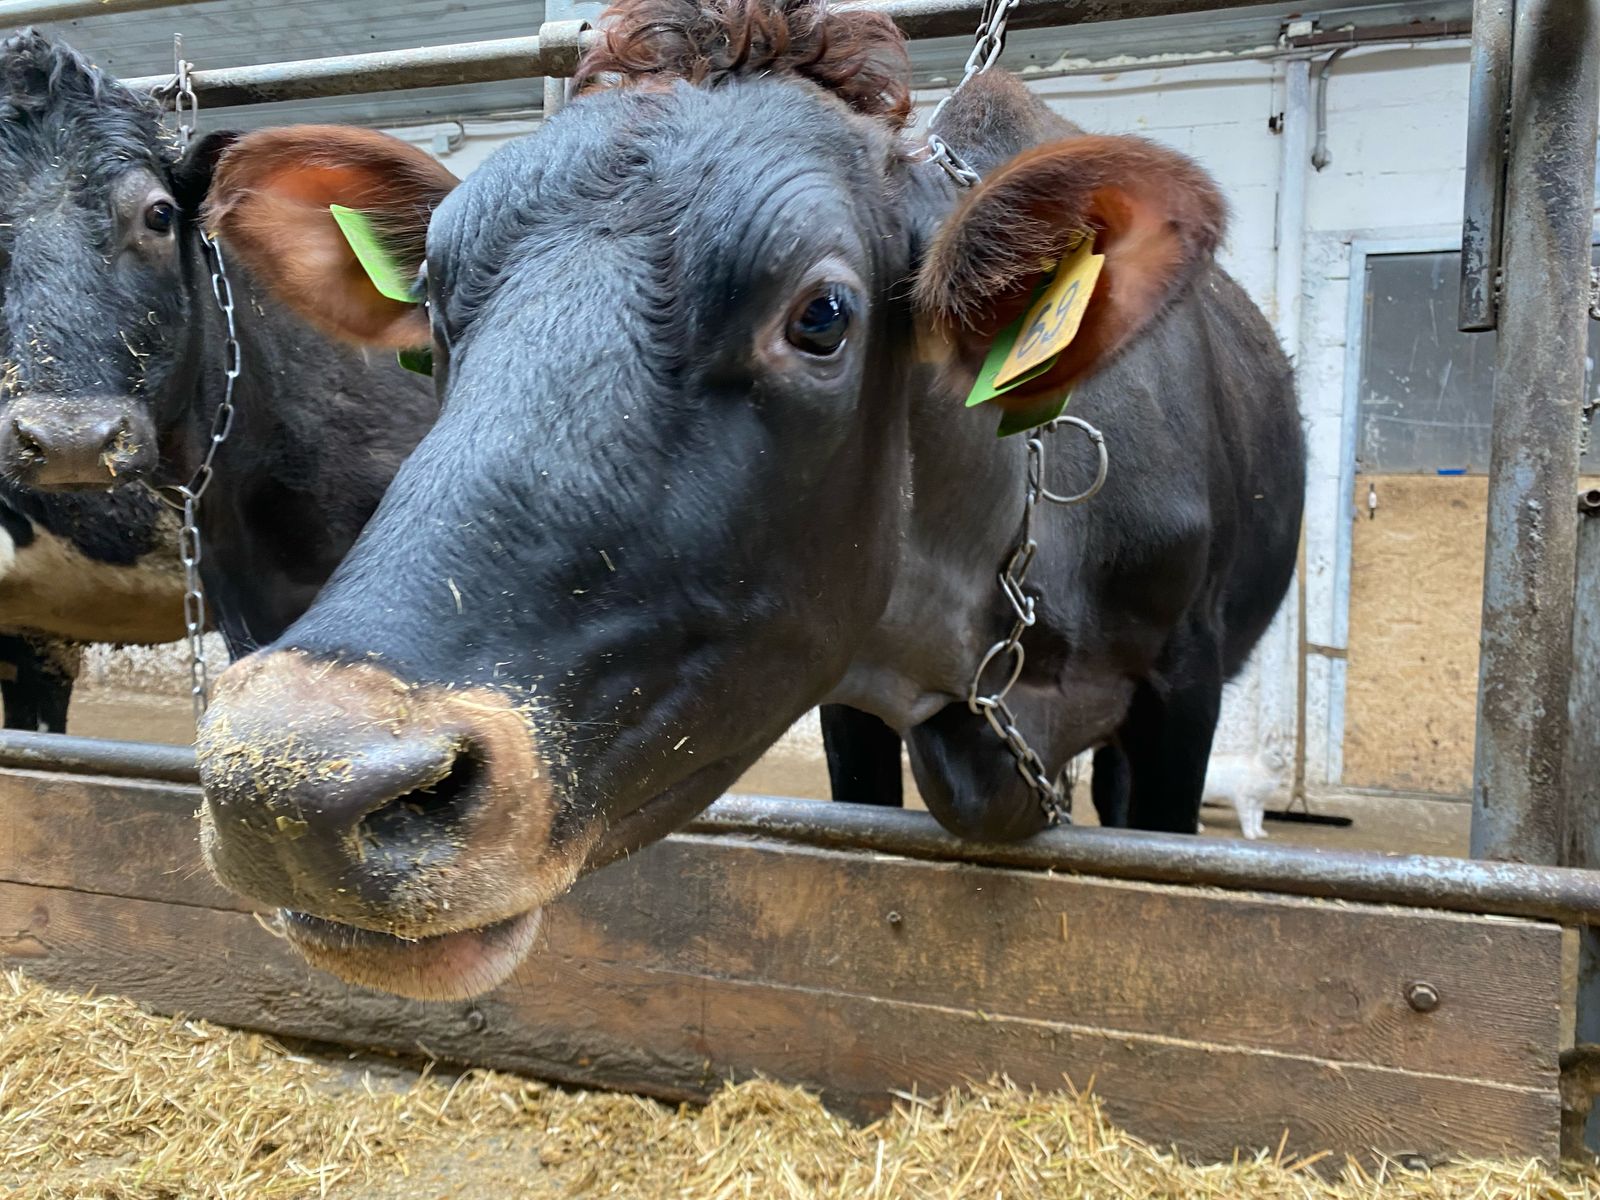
x=63 y=445
x=340 y=791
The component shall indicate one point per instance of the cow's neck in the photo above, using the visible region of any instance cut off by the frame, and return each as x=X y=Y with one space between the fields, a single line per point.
x=945 y=609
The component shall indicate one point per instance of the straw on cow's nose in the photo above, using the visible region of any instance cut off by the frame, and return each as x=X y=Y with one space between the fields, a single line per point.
x=342 y=791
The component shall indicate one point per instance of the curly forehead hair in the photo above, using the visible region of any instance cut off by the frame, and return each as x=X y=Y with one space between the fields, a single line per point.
x=56 y=105
x=858 y=56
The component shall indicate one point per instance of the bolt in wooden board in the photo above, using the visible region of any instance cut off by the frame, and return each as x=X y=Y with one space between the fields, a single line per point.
x=1208 y=1018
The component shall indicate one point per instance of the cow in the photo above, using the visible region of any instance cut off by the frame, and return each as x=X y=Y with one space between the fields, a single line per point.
x=113 y=370
x=702 y=345
x=76 y=569
x=113 y=348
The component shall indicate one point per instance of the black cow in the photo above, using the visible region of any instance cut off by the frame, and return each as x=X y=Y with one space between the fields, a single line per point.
x=703 y=462
x=114 y=354
x=73 y=570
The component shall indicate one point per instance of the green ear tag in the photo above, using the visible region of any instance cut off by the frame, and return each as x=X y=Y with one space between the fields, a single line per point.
x=984 y=388
x=385 y=274
x=371 y=253
x=416 y=358
x=1021 y=422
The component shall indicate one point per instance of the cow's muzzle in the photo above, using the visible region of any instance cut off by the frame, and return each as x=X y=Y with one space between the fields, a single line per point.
x=59 y=444
x=406 y=831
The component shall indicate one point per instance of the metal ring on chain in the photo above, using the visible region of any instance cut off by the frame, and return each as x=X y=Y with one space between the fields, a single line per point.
x=1102 y=469
x=1012 y=646
x=987 y=45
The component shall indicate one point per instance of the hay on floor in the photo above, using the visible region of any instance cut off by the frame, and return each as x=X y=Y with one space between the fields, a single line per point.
x=99 y=1099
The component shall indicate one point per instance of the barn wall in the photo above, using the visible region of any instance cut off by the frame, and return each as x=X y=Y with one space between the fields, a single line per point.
x=1396 y=133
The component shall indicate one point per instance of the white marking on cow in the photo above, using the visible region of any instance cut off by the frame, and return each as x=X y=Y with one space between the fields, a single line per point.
x=8 y=553
x=52 y=587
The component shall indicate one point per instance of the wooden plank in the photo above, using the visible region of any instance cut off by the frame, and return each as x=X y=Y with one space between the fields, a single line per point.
x=1272 y=973
x=677 y=1033
x=117 y=837
x=1269 y=973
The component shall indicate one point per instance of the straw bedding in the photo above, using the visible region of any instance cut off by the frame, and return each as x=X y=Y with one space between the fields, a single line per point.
x=101 y=1100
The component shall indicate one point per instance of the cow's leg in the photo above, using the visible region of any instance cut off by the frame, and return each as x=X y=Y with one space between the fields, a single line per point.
x=863 y=757
x=36 y=678
x=1111 y=786
x=1167 y=737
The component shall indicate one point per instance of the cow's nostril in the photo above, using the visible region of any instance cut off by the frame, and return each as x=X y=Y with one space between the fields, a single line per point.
x=29 y=444
x=428 y=815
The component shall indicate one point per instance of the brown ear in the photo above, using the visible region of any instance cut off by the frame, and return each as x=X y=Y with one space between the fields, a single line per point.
x=1154 y=214
x=269 y=202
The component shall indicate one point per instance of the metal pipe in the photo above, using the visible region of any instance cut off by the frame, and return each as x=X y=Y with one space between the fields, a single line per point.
x=951 y=18
x=97 y=756
x=1520 y=774
x=561 y=47
x=1583 y=812
x=18 y=13
x=382 y=71
x=1320 y=157
x=1412 y=881
x=1542 y=893
x=524 y=57
x=488 y=62
x=1483 y=211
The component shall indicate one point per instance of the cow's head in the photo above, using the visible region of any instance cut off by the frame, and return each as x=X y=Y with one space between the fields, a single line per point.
x=96 y=244
x=688 y=340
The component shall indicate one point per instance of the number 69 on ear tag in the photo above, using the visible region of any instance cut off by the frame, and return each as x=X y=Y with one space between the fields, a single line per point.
x=1029 y=346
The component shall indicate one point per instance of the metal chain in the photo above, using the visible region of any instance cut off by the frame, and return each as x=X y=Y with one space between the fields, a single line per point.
x=986 y=48
x=186 y=106
x=1054 y=797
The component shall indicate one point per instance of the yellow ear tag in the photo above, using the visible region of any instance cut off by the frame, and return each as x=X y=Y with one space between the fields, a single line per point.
x=1050 y=325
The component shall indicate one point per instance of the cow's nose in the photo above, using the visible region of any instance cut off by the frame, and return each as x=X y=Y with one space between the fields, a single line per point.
x=342 y=792
x=65 y=445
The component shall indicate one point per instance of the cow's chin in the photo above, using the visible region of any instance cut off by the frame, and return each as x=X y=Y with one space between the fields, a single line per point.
x=448 y=966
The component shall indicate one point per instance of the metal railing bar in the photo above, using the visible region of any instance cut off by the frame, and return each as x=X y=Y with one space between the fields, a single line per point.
x=97 y=756
x=357 y=74
x=1413 y=881
x=31 y=12
x=500 y=59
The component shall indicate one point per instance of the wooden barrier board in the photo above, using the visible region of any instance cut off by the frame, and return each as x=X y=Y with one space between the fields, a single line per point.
x=1213 y=1020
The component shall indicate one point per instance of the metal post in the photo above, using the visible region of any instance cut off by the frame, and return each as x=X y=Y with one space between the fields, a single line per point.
x=1484 y=209
x=1583 y=813
x=1282 y=654
x=561 y=47
x=1520 y=775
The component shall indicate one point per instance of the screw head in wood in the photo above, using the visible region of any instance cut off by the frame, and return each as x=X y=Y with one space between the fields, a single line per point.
x=1422 y=997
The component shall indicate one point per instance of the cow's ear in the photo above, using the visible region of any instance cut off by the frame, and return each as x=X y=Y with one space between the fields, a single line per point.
x=1153 y=214
x=191 y=177
x=270 y=202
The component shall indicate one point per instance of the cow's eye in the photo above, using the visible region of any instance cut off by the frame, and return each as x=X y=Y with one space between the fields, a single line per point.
x=159 y=216
x=820 y=323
